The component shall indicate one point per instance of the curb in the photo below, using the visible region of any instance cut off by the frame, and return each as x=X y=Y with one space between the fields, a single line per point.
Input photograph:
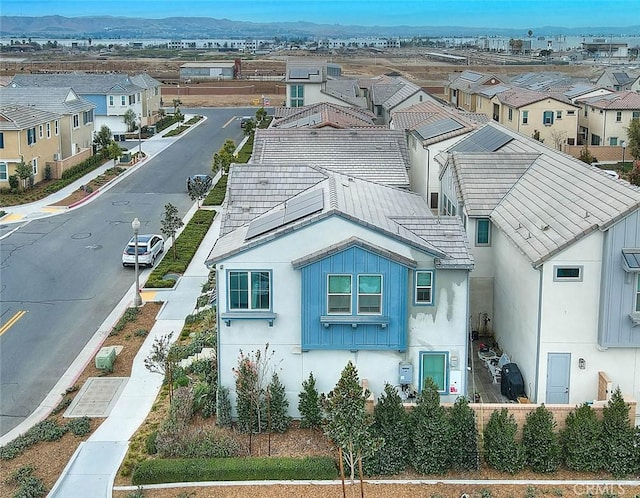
x=84 y=199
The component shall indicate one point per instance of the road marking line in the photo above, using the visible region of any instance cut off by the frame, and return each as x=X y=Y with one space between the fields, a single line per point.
x=229 y=122
x=12 y=321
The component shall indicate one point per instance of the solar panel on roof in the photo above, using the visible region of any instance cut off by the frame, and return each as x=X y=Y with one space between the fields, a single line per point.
x=471 y=76
x=302 y=74
x=487 y=139
x=295 y=209
x=438 y=128
x=264 y=224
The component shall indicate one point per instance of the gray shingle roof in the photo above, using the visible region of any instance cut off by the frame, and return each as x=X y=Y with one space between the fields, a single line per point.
x=483 y=179
x=254 y=189
x=398 y=214
x=63 y=101
x=557 y=200
x=374 y=154
x=82 y=83
x=346 y=90
x=15 y=117
x=322 y=114
x=407 y=90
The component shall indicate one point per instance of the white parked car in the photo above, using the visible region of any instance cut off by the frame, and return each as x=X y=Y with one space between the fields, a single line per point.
x=150 y=246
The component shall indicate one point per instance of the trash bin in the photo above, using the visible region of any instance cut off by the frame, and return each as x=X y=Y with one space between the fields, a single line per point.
x=511 y=382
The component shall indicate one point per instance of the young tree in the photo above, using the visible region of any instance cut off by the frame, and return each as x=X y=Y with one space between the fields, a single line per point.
x=617 y=437
x=114 y=151
x=198 y=188
x=429 y=432
x=277 y=406
x=586 y=156
x=130 y=119
x=633 y=135
x=501 y=451
x=252 y=377
x=224 y=157
x=170 y=224
x=176 y=105
x=102 y=139
x=348 y=424
x=390 y=425
x=162 y=360
x=24 y=172
x=463 y=435
x=581 y=440
x=309 y=404
x=540 y=441
x=261 y=116
x=249 y=127
x=223 y=407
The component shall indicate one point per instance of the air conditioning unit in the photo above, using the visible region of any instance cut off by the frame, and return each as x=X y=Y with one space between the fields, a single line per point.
x=57 y=156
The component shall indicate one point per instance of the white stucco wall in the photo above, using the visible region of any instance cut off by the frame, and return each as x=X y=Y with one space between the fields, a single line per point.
x=446 y=329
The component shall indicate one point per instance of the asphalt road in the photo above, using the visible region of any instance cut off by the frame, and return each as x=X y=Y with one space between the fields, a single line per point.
x=65 y=271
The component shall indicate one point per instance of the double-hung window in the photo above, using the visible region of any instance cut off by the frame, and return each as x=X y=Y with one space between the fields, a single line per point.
x=48 y=130
x=424 y=287
x=123 y=100
x=635 y=115
x=370 y=294
x=525 y=117
x=111 y=101
x=40 y=132
x=76 y=121
x=339 y=294
x=618 y=116
x=31 y=136
x=547 y=118
x=483 y=232
x=56 y=127
x=510 y=114
x=249 y=290
x=4 y=172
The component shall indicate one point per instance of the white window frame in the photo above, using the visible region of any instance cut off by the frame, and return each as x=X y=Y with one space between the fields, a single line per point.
x=417 y=287
x=76 y=121
x=56 y=127
x=4 y=171
x=48 y=130
x=618 y=116
x=637 y=306
x=488 y=242
x=40 y=132
x=559 y=278
x=249 y=291
x=329 y=294
x=123 y=100
x=558 y=114
x=34 y=166
x=111 y=101
x=525 y=117
x=379 y=312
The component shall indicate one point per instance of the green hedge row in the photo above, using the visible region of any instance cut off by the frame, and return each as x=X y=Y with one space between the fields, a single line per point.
x=186 y=245
x=234 y=469
x=217 y=193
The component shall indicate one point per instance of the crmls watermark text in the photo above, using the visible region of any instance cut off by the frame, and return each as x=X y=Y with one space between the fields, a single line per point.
x=598 y=489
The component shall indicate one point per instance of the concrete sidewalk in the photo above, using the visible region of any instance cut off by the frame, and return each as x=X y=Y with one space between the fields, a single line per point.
x=92 y=468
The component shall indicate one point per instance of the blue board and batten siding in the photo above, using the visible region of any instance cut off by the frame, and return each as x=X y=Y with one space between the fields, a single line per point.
x=371 y=336
x=616 y=329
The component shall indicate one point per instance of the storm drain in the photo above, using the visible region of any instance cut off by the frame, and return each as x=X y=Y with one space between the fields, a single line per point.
x=96 y=397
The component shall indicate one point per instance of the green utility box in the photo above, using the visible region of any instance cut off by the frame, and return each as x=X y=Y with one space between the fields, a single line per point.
x=105 y=358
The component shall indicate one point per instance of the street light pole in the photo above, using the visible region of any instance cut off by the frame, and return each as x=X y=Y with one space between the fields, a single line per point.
x=140 y=139
x=135 y=224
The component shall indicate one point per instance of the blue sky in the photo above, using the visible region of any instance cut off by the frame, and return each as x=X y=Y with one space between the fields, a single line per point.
x=472 y=13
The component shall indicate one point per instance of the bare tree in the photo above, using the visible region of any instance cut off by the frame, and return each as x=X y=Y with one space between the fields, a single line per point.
x=162 y=361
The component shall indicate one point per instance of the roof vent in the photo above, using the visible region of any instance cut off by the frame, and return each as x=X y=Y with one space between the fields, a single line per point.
x=264 y=181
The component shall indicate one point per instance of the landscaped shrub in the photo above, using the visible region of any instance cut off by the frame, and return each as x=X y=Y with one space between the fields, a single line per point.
x=79 y=426
x=29 y=486
x=309 y=404
x=187 y=243
x=390 y=425
x=204 y=399
x=581 y=440
x=150 y=443
x=234 y=469
x=47 y=430
x=501 y=450
x=217 y=193
x=277 y=406
x=181 y=409
x=429 y=433
x=620 y=456
x=197 y=442
x=463 y=435
x=540 y=441
x=223 y=407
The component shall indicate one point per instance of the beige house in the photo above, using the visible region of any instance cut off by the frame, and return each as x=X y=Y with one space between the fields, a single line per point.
x=604 y=119
x=461 y=90
x=550 y=119
x=27 y=135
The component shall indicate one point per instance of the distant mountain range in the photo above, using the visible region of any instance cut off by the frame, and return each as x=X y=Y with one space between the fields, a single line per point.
x=97 y=27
